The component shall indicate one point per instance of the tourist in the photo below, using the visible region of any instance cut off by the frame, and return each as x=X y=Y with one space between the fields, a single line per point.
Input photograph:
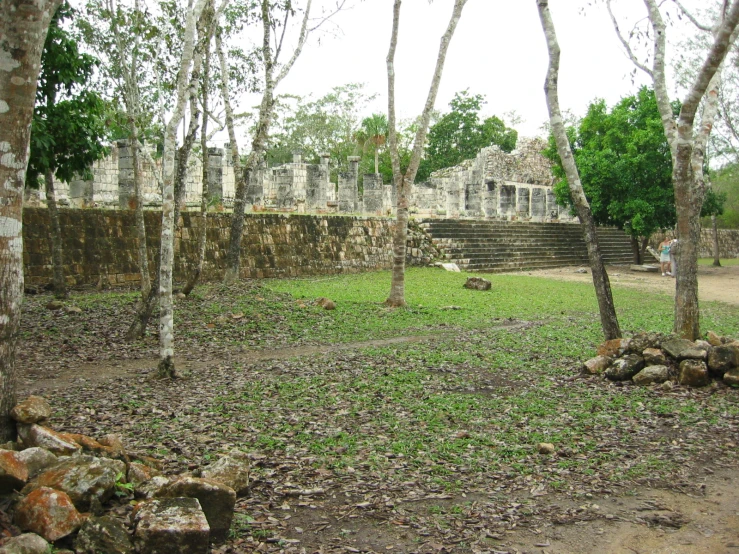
x=664 y=256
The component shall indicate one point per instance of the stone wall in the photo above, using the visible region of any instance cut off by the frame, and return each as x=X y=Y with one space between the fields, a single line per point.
x=102 y=244
x=728 y=242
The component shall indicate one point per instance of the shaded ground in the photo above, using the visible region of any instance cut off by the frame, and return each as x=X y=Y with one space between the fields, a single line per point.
x=423 y=442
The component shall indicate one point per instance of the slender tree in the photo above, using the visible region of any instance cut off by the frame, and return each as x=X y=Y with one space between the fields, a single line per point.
x=23 y=29
x=374 y=132
x=687 y=141
x=403 y=180
x=608 y=319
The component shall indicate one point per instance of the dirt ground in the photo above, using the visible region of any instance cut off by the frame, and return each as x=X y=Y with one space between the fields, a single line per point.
x=714 y=283
x=697 y=513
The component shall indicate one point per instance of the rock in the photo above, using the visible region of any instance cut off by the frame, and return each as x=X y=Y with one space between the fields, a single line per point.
x=36 y=460
x=92 y=446
x=231 y=470
x=714 y=339
x=646 y=268
x=138 y=474
x=696 y=353
x=48 y=513
x=43 y=437
x=722 y=358
x=216 y=499
x=113 y=441
x=581 y=270
x=704 y=345
x=171 y=526
x=32 y=410
x=477 y=283
x=54 y=305
x=151 y=488
x=545 y=448
x=675 y=346
x=72 y=310
x=731 y=377
x=652 y=374
x=667 y=386
x=13 y=472
x=86 y=479
x=654 y=356
x=694 y=373
x=597 y=365
x=641 y=341
x=27 y=543
x=326 y=303
x=625 y=368
x=454 y=268
x=103 y=534
x=611 y=348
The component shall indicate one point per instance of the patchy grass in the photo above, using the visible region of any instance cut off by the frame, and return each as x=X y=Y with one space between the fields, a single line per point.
x=724 y=261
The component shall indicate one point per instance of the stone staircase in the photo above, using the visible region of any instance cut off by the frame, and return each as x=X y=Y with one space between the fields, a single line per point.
x=496 y=246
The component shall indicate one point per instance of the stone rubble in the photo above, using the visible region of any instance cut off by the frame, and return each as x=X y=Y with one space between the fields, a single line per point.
x=61 y=489
x=654 y=358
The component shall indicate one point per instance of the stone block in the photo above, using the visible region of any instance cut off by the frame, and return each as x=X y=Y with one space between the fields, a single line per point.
x=625 y=368
x=694 y=373
x=48 y=513
x=652 y=374
x=171 y=526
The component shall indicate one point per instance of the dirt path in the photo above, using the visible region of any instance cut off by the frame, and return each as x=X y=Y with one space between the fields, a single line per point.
x=714 y=283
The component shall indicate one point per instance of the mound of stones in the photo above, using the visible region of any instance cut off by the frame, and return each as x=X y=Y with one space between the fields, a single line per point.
x=66 y=492
x=648 y=358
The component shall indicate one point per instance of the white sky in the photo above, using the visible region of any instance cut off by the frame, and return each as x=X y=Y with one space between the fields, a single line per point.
x=498 y=51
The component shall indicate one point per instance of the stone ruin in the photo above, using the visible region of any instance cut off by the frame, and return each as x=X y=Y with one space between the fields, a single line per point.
x=75 y=493
x=666 y=360
x=494 y=185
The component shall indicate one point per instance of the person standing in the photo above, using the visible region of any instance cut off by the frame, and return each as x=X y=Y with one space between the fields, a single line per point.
x=664 y=256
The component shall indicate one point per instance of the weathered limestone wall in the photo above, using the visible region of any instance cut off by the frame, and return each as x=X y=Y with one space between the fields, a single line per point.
x=728 y=242
x=103 y=243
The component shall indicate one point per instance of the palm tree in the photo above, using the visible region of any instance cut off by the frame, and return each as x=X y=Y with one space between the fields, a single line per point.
x=374 y=131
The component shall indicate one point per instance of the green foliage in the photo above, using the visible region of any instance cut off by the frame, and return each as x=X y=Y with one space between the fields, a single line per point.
x=69 y=120
x=625 y=165
x=459 y=135
x=725 y=182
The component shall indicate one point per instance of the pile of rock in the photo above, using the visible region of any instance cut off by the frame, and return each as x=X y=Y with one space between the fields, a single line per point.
x=94 y=496
x=648 y=358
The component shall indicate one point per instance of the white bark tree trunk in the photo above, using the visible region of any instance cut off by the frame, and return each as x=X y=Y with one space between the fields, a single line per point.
x=166 y=322
x=23 y=28
x=403 y=181
x=608 y=319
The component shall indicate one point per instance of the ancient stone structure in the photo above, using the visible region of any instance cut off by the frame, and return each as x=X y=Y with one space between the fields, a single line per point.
x=494 y=185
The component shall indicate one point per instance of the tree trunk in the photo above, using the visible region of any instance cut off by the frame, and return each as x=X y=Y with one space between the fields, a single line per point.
x=404 y=181
x=608 y=319
x=377 y=159
x=635 y=250
x=145 y=283
x=57 y=255
x=714 y=233
x=643 y=249
x=166 y=264
x=23 y=28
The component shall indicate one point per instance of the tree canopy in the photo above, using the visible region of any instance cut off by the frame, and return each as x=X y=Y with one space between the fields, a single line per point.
x=460 y=134
x=69 y=121
x=625 y=165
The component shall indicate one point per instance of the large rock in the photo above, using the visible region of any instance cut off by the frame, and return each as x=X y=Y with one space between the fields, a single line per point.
x=85 y=479
x=641 y=341
x=151 y=488
x=171 y=526
x=694 y=373
x=625 y=368
x=27 y=543
x=654 y=356
x=231 y=470
x=36 y=460
x=32 y=410
x=652 y=374
x=49 y=513
x=13 y=471
x=597 y=365
x=43 y=437
x=477 y=283
x=103 y=534
x=678 y=348
x=216 y=499
x=611 y=348
x=731 y=377
x=722 y=358
x=714 y=339
x=138 y=474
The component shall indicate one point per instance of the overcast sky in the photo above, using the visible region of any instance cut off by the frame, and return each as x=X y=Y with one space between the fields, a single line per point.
x=498 y=51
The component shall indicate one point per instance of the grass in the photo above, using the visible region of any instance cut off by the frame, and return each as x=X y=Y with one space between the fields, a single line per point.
x=724 y=261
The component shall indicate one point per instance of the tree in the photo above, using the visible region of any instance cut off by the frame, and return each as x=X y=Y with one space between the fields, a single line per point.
x=402 y=180
x=687 y=141
x=23 y=29
x=460 y=135
x=625 y=167
x=68 y=127
x=726 y=181
x=608 y=318
x=374 y=132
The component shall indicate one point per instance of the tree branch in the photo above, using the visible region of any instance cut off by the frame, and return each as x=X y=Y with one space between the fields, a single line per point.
x=625 y=42
x=692 y=19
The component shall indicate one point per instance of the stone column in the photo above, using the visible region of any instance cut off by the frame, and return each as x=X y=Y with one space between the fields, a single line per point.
x=354 y=169
x=538 y=203
x=348 y=186
x=490 y=199
x=523 y=202
x=373 y=194
x=455 y=199
x=284 y=185
x=125 y=174
x=255 y=186
x=80 y=192
x=297 y=156
x=317 y=185
x=507 y=201
x=215 y=174
x=551 y=203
